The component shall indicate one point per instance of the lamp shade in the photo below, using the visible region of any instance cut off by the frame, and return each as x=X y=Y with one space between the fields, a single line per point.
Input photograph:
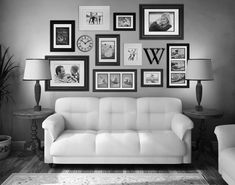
x=199 y=69
x=37 y=69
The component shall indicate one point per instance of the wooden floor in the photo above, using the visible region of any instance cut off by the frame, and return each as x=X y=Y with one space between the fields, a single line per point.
x=16 y=163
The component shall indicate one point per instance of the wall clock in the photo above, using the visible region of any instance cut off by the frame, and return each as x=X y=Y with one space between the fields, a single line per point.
x=85 y=43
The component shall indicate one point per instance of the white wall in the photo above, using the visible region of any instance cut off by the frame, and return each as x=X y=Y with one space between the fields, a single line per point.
x=208 y=27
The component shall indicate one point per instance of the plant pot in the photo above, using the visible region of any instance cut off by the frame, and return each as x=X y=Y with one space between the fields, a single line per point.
x=5 y=146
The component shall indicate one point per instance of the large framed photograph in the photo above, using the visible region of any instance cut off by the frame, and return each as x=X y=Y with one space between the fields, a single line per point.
x=107 y=49
x=69 y=73
x=115 y=80
x=132 y=54
x=151 y=77
x=62 y=35
x=94 y=17
x=163 y=21
x=124 y=21
x=177 y=58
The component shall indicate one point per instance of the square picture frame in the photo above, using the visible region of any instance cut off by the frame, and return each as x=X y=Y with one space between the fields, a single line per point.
x=177 y=59
x=161 y=21
x=94 y=18
x=151 y=77
x=62 y=35
x=69 y=73
x=107 y=49
x=114 y=80
x=124 y=21
x=132 y=54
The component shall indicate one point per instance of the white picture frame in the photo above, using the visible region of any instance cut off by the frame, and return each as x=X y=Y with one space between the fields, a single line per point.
x=132 y=54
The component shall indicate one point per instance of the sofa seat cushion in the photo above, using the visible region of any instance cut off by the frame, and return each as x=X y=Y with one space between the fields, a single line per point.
x=118 y=143
x=227 y=161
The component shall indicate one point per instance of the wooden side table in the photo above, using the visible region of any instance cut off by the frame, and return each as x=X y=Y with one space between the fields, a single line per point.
x=203 y=115
x=35 y=143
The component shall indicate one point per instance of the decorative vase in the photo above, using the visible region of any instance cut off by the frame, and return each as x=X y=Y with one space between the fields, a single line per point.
x=5 y=146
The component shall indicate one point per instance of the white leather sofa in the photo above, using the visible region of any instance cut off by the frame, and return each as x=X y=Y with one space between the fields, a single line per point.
x=226 y=152
x=118 y=130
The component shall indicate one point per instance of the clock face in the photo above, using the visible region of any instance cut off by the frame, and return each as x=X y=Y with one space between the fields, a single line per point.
x=84 y=43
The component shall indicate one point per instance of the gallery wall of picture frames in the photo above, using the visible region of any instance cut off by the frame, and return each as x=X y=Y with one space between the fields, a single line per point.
x=156 y=21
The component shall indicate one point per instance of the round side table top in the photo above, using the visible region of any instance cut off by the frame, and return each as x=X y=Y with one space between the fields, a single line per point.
x=204 y=114
x=31 y=114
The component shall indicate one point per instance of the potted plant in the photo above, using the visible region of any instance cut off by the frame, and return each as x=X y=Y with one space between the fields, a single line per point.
x=6 y=69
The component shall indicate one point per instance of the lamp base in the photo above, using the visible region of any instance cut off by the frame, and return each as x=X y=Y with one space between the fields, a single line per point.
x=198 y=108
x=37 y=108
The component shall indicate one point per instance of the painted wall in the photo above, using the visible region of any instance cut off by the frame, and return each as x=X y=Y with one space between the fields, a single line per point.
x=208 y=26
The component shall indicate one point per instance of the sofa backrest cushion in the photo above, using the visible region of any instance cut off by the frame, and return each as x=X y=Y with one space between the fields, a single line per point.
x=118 y=113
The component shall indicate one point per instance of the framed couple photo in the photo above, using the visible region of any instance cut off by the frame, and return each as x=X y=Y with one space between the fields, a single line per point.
x=161 y=21
x=124 y=21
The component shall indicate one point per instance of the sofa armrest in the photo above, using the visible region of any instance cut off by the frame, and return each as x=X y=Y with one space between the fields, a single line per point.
x=180 y=124
x=225 y=136
x=54 y=124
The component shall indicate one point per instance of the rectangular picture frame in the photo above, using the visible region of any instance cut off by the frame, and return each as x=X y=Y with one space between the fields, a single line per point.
x=161 y=21
x=107 y=49
x=69 y=73
x=132 y=54
x=62 y=35
x=177 y=59
x=151 y=77
x=94 y=18
x=114 y=80
x=124 y=21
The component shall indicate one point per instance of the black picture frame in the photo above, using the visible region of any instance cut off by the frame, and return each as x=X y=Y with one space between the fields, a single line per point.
x=151 y=14
x=68 y=83
x=62 y=35
x=107 y=48
x=124 y=21
x=151 y=77
x=114 y=80
x=177 y=59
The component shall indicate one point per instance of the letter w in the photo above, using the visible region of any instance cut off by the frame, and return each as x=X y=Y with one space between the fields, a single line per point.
x=156 y=57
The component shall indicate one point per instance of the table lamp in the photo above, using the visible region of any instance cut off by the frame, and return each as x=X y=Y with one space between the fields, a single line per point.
x=199 y=70
x=36 y=70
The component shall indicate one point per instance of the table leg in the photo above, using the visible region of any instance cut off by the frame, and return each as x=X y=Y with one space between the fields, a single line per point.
x=200 y=143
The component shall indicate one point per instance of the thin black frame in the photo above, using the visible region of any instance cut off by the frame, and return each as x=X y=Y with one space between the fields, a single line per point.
x=151 y=70
x=52 y=47
x=100 y=36
x=142 y=8
x=116 y=71
x=115 y=14
x=84 y=58
x=169 y=66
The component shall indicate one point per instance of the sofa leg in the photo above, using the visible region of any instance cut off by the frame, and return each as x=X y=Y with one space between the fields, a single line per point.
x=51 y=165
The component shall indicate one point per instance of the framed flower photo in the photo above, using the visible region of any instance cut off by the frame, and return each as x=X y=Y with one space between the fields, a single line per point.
x=151 y=77
x=177 y=58
x=132 y=54
x=161 y=21
x=94 y=18
x=62 y=36
x=69 y=73
x=107 y=49
x=114 y=80
x=124 y=21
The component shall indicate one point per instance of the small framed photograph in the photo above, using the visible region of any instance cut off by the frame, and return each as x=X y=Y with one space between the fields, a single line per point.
x=164 y=21
x=124 y=21
x=69 y=73
x=94 y=17
x=62 y=36
x=114 y=80
x=151 y=77
x=132 y=54
x=177 y=58
x=107 y=50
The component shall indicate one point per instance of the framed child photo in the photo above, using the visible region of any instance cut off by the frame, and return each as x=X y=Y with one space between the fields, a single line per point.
x=161 y=21
x=62 y=36
x=94 y=18
x=107 y=49
x=124 y=21
x=151 y=77
x=177 y=58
